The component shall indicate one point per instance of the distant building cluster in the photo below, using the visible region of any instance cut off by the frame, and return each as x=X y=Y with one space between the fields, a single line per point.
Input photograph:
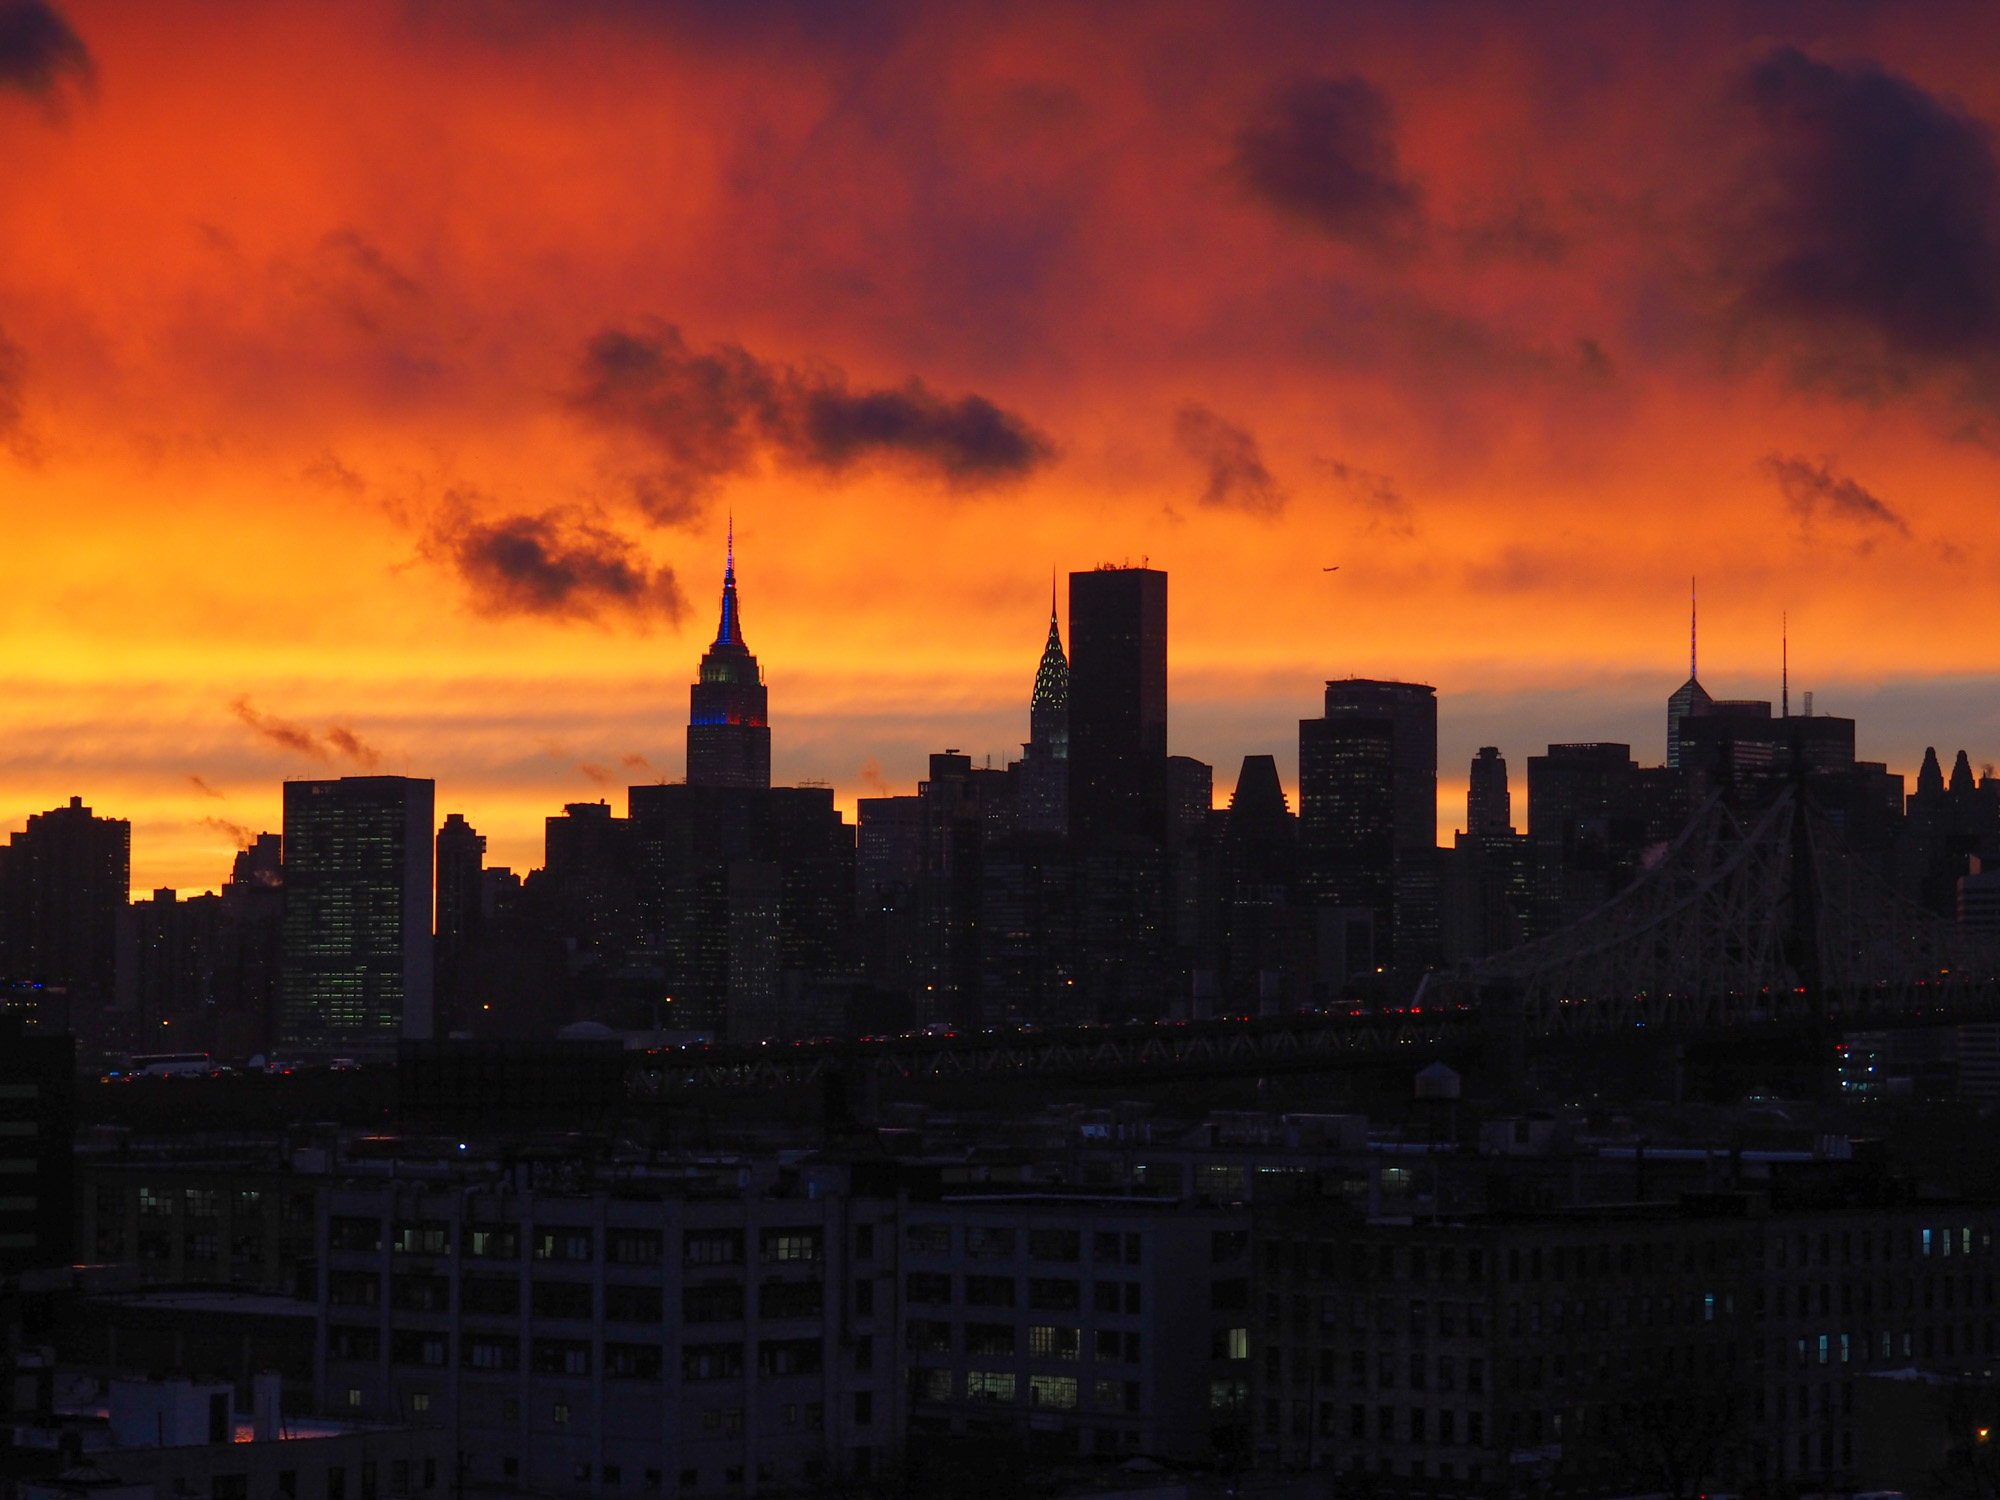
x=1090 y=881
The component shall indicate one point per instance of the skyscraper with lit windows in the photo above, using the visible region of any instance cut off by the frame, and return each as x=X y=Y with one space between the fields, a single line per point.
x=356 y=965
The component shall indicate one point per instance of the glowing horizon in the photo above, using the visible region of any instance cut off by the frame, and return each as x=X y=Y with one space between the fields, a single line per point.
x=395 y=370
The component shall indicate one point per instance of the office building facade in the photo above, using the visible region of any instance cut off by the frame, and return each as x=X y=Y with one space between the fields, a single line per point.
x=1118 y=791
x=37 y=1132
x=1410 y=708
x=736 y=888
x=1347 y=838
x=357 y=960
x=677 y=1337
x=1595 y=1352
x=1118 y=707
x=1489 y=805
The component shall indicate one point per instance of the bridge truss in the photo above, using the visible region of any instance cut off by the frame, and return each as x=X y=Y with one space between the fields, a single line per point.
x=1743 y=921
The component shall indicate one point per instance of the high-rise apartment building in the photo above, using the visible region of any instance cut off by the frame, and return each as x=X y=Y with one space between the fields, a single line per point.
x=1586 y=818
x=1118 y=706
x=589 y=858
x=729 y=734
x=1259 y=920
x=737 y=889
x=357 y=953
x=1190 y=798
x=461 y=910
x=63 y=881
x=461 y=862
x=1411 y=710
x=173 y=958
x=1489 y=806
x=888 y=871
x=1118 y=790
x=1347 y=838
x=960 y=803
x=1486 y=898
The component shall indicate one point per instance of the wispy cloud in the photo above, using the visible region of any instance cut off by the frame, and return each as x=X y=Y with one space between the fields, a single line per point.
x=1235 y=476
x=335 y=742
x=1812 y=491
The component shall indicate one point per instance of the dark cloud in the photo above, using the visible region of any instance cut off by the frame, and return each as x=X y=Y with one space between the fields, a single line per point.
x=365 y=260
x=969 y=441
x=1378 y=493
x=345 y=741
x=1814 y=490
x=336 y=742
x=1871 y=211
x=556 y=566
x=706 y=416
x=204 y=788
x=38 y=50
x=329 y=472
x=1236 y=476
x=1324 y=150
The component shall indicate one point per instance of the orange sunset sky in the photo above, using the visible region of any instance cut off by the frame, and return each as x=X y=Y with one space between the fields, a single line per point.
x=376 y=379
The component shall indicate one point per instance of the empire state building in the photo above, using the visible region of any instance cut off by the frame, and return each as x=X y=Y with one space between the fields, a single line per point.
x=729 y=735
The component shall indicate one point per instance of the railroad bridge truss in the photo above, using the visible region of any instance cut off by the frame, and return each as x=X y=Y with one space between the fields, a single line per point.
x=1755 y=920
x=1743 y=921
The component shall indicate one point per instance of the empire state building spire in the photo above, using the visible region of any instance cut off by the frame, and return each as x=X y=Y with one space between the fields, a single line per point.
x=729 y=735
x=729 y=631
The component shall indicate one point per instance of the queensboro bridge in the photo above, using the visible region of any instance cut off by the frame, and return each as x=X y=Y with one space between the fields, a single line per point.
x=729 y=738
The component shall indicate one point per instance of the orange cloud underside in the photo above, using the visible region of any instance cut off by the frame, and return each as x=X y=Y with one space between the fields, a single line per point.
x=296 y=289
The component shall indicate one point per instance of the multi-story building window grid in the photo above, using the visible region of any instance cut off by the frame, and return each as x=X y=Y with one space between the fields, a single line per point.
x=583 y=1343
x=1038 y=1317
x=1442 y=1354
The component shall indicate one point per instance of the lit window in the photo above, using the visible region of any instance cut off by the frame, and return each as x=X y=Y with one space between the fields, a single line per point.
x=1058 y=1391
x=989 y=1385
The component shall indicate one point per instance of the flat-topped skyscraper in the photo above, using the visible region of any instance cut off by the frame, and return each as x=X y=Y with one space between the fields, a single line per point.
x=356 y=966
x=1118 y=706
x=729 y=734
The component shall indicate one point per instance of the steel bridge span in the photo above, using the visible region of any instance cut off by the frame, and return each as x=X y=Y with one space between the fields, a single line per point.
x=1765 y=922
